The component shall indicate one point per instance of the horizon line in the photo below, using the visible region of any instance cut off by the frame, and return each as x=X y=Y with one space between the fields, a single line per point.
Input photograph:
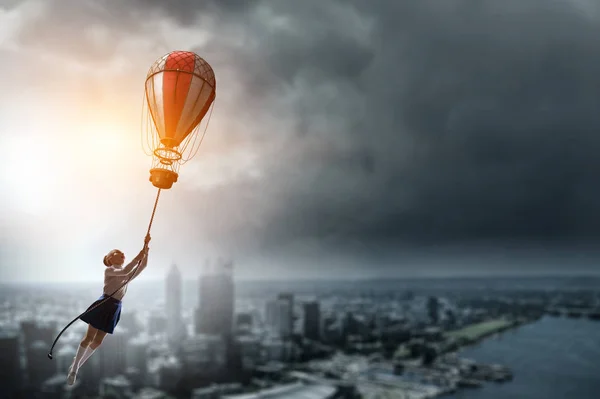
x=341 y=279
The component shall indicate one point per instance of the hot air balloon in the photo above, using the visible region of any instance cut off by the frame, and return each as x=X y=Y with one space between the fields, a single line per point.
x=180 y=91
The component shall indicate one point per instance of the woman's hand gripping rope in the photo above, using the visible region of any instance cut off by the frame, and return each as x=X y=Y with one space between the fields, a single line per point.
x=146 y=242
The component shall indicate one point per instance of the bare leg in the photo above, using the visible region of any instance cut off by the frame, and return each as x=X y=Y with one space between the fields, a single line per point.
x=89 y=336
x=98 y=338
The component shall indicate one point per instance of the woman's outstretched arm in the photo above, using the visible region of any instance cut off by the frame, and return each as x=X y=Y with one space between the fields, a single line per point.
x=142 y=266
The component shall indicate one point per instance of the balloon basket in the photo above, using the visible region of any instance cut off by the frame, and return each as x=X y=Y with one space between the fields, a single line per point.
x=163 y=178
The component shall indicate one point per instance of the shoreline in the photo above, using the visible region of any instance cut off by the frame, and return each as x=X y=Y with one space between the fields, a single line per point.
x=450 y=373
x=487 y=373
x=478 y=373
x=469 y=336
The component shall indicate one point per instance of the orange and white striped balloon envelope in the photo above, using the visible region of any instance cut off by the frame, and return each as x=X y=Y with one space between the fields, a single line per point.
x=180 y=88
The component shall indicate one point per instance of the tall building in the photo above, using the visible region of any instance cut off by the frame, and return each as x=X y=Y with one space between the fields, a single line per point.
x=243 y=320
x=175 y=327
x=39 y=368
x=165 y=373
x=250 y=351
x=312 y=321
x=10 y=372
x=131 y=322
x=289 y=299
x=112 y=354
x=433 y=306
x=203 y=352
x=36 y=331
x=136 y=354
x=280 y=315
x=214 y=315
x=64 y=358
x=40 y=334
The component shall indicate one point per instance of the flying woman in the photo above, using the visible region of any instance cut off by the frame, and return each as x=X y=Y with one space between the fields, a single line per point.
x=103 y=319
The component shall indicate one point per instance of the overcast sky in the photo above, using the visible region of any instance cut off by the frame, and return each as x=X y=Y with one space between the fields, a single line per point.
x=349 y=138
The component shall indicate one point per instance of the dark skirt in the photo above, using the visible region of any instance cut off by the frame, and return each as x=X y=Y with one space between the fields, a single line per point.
x=106 y=316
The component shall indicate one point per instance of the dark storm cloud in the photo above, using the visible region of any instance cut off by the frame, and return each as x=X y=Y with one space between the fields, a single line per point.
x=428 y=121
x=186 y=11
x=422 y=121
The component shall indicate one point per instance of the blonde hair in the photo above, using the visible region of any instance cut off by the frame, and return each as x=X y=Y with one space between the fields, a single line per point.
x=108 y=255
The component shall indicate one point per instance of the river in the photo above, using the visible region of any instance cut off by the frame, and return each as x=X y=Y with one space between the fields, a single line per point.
x=553 y=358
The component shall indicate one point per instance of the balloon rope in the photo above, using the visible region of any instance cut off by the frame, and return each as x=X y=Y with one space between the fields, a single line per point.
x=153 y=211
x=111 y=295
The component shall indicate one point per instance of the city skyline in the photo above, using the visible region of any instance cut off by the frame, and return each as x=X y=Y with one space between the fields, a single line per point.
x=357 y=139
x=283 y=338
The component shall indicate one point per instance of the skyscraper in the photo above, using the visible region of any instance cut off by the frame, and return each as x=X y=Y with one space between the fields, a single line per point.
x=288 y=298
x=214 y=315
x=64 y=358
x=278 y=317
x=112 y=355
x=136 y=354
x=173 y=295
x=312 y=321
x=433 y=307
x=39 y=371
x=203 y=352
x=10 y=372
x=36 y=337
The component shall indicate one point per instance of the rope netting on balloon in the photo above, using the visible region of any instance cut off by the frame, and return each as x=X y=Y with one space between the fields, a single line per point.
x=194 y=140
x=166 y=158
x=148 y=131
